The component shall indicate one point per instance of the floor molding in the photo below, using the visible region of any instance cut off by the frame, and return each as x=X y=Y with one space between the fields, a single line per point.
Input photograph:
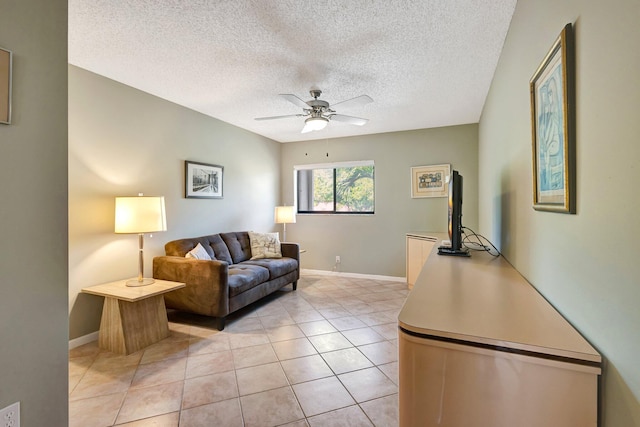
x=85 y=339
x=354 y=275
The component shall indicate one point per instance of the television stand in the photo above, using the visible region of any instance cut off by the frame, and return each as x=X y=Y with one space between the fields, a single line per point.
x=447 y=250
x=468 y=324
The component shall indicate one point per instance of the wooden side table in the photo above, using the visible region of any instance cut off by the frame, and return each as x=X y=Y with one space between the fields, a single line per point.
x=132 y=317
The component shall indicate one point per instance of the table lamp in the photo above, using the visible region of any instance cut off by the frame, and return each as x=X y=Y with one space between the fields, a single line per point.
x=285 y=215
x=139 y=215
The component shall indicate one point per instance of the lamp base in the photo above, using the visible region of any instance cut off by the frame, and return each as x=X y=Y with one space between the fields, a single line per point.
x=136 y=282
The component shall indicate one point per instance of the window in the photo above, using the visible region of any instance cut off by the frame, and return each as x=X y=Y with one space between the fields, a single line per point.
x=340 y=188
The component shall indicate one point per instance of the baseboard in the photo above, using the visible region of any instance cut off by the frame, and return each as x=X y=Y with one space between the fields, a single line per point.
x=354 y=275
x=77 y=342
x=85 y=339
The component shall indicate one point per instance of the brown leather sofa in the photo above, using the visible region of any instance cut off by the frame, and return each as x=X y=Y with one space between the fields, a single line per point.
x=227 y=282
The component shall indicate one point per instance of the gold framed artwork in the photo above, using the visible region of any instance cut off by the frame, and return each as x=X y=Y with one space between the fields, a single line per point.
x=430 y=181
x=6 y=58
x=552 y=90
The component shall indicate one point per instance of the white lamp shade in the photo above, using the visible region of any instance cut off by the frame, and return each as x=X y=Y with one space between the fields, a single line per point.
x=285 y=215
x=140 y=214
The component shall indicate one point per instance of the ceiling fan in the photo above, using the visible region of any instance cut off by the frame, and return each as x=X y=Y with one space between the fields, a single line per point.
x=319 y=112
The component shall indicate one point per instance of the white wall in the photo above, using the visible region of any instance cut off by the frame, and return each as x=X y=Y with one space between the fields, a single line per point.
x=33 y=214
x=584 y=264
x=123 y=141
x=375 y=244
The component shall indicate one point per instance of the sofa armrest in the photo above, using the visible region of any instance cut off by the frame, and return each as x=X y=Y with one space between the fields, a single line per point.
x=207 y=288
x=290 y=250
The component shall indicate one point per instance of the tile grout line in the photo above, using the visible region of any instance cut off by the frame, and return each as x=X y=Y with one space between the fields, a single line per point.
x=283 y=312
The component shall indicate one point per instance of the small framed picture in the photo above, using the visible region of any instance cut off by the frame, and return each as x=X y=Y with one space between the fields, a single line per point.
x=202 y=180
x=430 y=181
x=553 y=128
x=6 y=58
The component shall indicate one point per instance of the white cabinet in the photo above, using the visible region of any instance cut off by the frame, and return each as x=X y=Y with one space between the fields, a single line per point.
x=419 y=247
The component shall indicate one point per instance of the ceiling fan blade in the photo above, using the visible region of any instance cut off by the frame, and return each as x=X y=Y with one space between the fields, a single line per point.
x=295 y=100
x=354 y=102
x=349 y=119
x=279 y=117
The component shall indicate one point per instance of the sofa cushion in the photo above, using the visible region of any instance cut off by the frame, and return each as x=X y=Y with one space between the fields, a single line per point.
x=264 y=245
x=213 y=244
x=182 y=246
x=277 y=266
x=239 y=246
x=243 y=277
x=219 y=248
x=198 y=253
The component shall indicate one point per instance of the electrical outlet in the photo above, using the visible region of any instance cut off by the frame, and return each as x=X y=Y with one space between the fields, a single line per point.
x=10 y=416
x=337 y=259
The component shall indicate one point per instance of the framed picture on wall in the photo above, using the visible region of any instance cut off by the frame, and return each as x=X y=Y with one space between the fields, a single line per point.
x=6 y=59
x=553 y=127
x=430 y=181
x=202 y=180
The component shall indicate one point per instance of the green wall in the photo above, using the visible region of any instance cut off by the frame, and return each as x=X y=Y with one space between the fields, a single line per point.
x=123 y=142
x=585 y=264
x=375 y=244
x=33 y=214
x=131 y=142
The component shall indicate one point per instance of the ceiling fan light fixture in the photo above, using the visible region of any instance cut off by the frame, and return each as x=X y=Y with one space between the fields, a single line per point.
x=316 y=123
x=318 y=113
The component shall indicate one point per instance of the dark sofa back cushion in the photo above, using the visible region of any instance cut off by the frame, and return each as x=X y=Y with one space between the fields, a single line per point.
x=213 y=244
x=239 y=245
x=219 y=248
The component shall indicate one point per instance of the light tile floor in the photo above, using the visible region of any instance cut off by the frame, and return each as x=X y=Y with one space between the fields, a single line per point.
x=324 y=355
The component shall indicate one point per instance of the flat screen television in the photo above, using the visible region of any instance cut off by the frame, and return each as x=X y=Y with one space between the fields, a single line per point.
x=455 y=218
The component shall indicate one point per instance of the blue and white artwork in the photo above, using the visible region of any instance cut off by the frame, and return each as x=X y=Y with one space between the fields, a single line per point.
x=550 y=118
x=552 y=89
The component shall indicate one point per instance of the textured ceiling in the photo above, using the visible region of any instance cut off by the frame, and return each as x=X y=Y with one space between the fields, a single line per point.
x=425 y=63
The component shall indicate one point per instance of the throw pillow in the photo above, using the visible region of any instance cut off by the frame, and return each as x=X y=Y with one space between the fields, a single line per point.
x=199 y=252
x=265 y=245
